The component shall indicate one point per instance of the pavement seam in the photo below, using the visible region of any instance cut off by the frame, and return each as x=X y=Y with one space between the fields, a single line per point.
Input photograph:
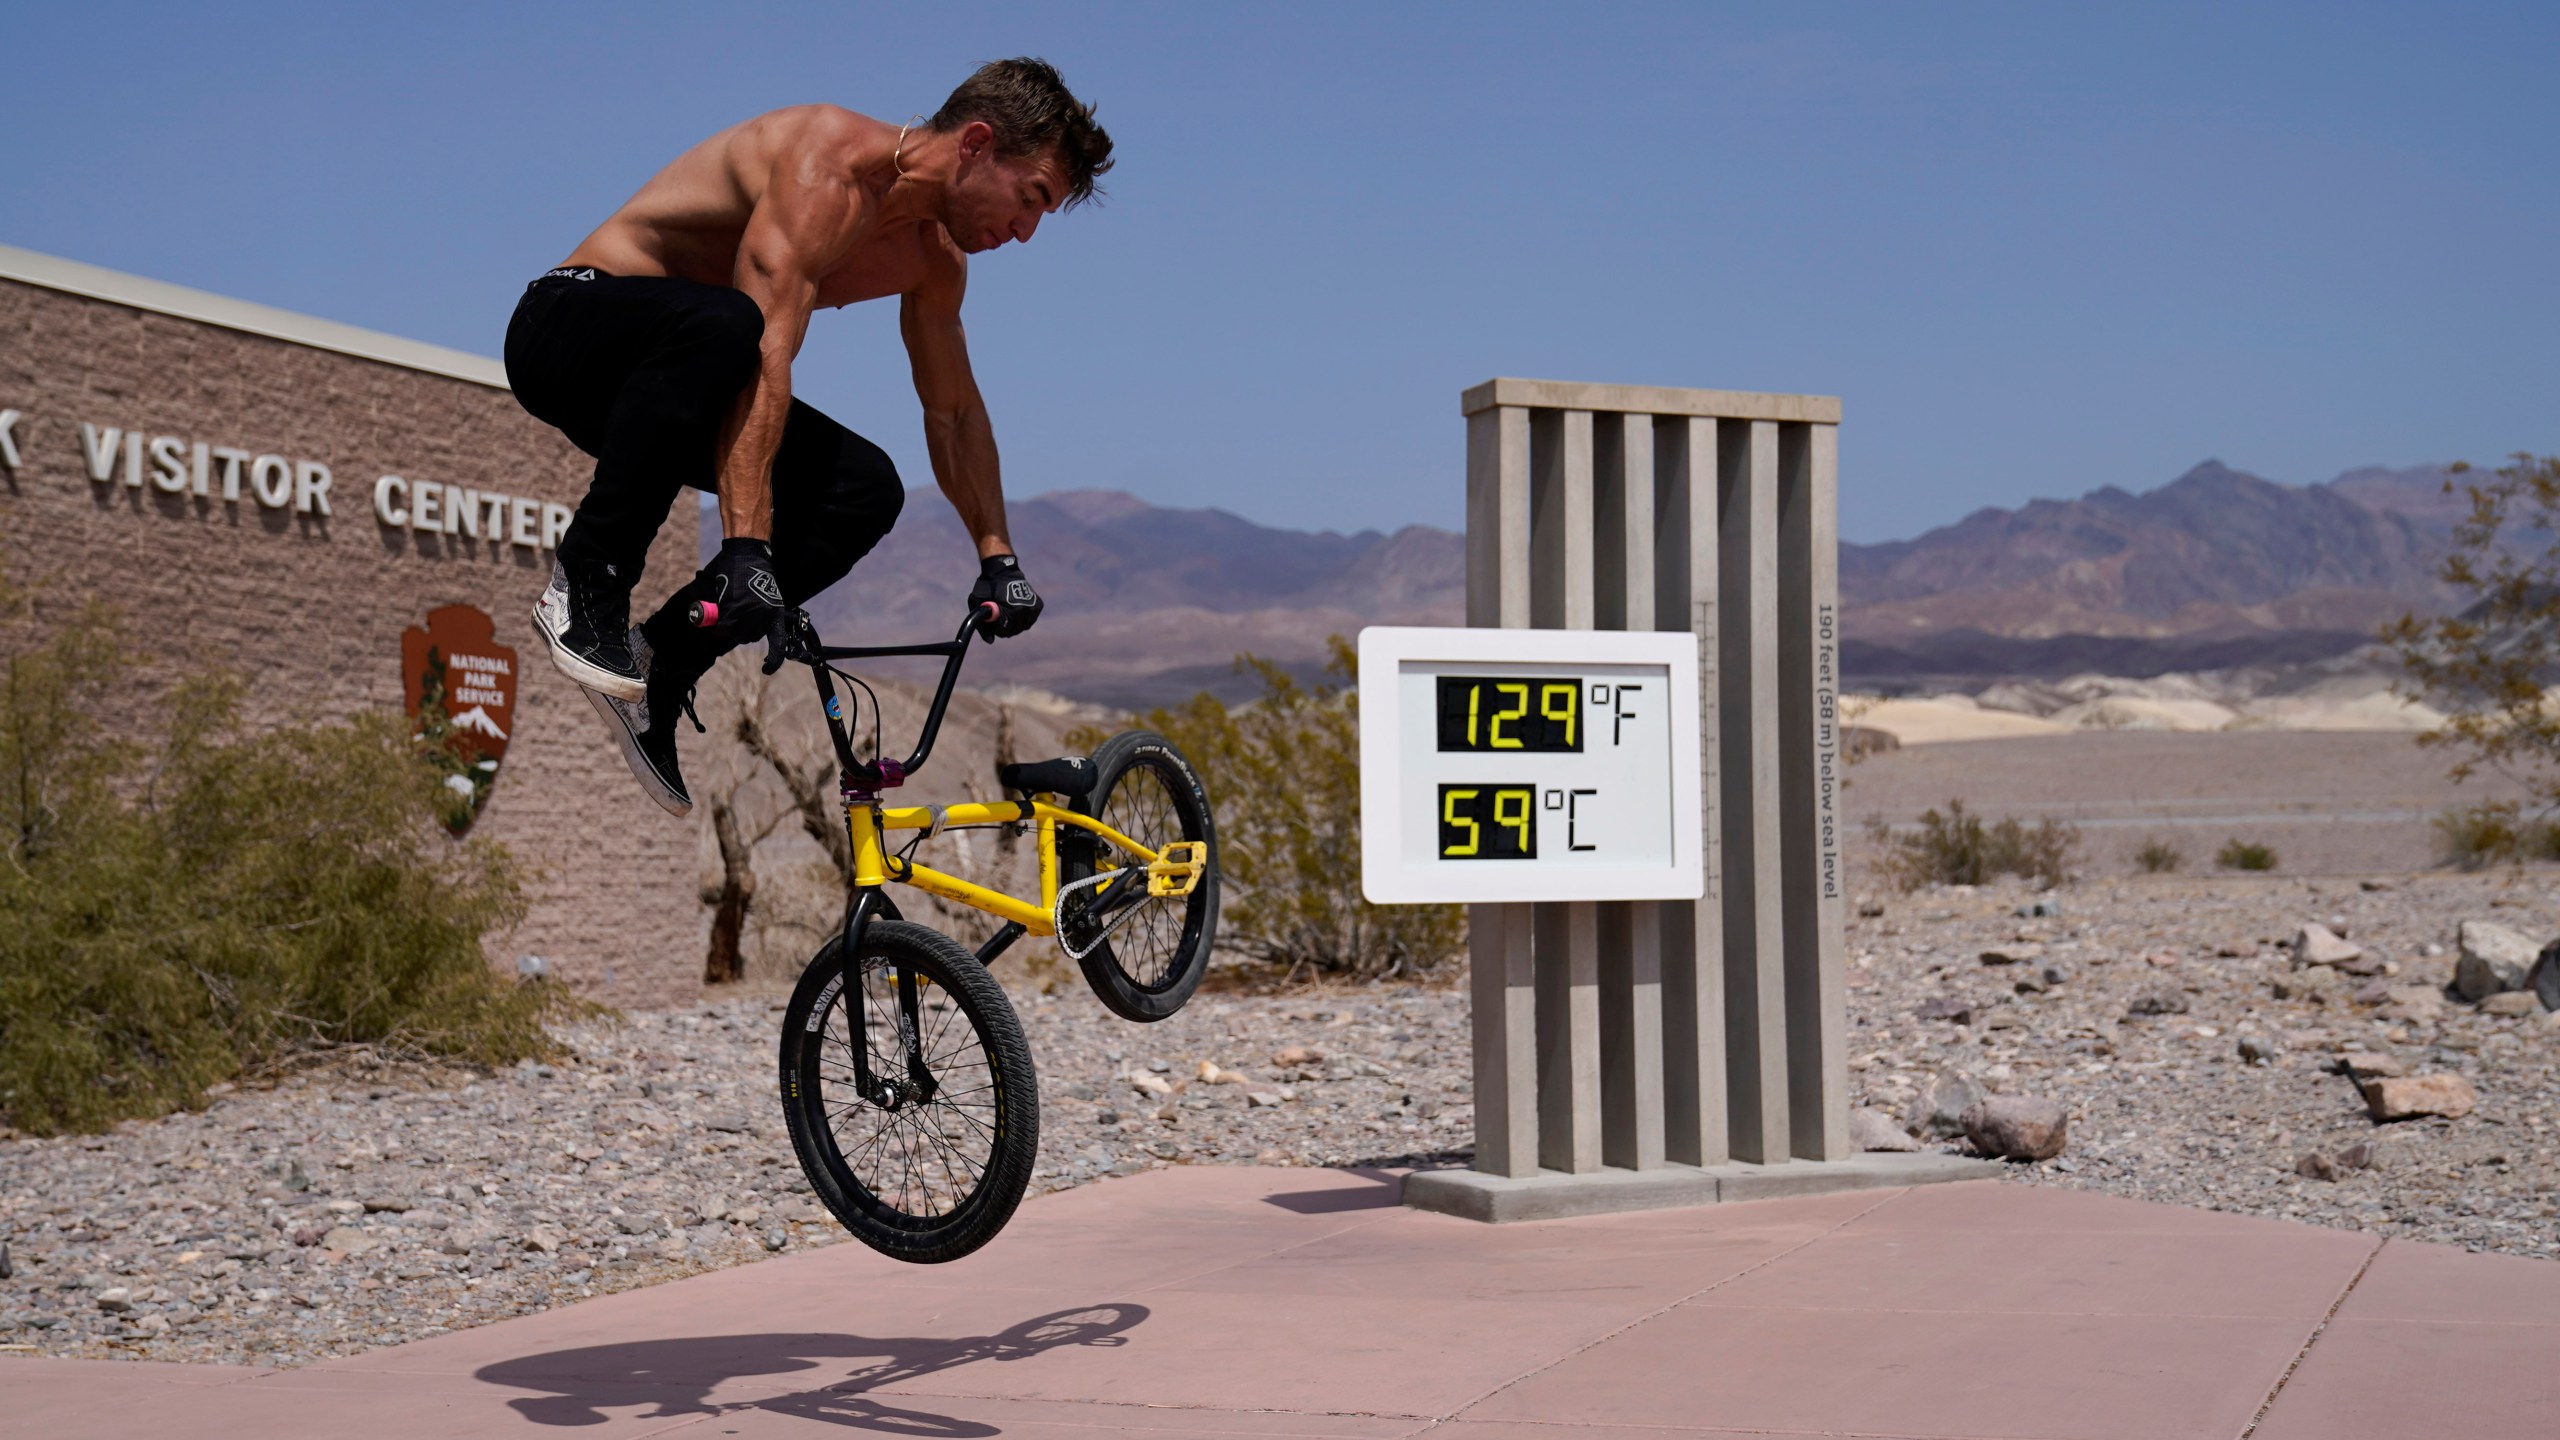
x=1710 y=1432
x=734 y=1408
x=1100 y=1403
x=1172 y=1280
x=2312 y=1339
x=2448 y=1322
x=1754 y=1268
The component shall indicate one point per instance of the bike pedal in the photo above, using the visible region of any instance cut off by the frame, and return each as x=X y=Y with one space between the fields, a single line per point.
x=1177 y=868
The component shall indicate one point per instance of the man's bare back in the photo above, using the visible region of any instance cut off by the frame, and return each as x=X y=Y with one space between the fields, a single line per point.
x=689 y=220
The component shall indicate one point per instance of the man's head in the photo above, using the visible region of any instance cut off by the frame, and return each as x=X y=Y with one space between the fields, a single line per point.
x=1025 y=147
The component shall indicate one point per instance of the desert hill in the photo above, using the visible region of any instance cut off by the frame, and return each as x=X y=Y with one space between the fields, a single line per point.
x=1149 y=604
x=2217 y=569
x=2216 y=552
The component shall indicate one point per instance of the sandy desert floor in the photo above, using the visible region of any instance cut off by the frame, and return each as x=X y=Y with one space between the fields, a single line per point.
x=2329 y=802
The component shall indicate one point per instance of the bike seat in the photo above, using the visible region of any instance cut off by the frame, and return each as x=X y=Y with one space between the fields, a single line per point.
x=1070 y=775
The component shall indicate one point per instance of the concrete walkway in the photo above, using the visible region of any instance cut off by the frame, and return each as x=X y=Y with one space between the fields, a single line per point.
x=1235 y=1302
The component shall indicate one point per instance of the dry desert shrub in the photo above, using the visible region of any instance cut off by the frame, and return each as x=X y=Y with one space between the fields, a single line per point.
x=2159 y=857
x=205 y=901
x=2238 y=854
x=2491 y=666
x=2497 y=832
x=1958 y=848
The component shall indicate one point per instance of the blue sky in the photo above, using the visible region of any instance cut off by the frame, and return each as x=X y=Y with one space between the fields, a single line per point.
x=2037 y=248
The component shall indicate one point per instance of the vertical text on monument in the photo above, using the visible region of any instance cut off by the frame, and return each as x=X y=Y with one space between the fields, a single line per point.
x=1826 y=745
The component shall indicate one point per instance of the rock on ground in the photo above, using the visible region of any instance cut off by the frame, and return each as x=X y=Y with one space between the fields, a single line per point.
x=2544 y=982
x=2410 y=1096
x=1941 y=1107
x=2017 y=1127
x=2317 y=944
x=1874 y=1130
x=2492 y=957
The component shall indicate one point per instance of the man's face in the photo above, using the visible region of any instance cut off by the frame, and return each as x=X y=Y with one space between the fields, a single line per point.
x=996 y=198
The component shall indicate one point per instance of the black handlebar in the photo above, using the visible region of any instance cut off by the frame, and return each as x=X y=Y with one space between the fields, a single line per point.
x=795 y=639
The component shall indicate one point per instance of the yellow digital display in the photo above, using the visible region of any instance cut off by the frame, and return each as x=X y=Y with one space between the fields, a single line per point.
x=1488 y=822
x=1527 y=714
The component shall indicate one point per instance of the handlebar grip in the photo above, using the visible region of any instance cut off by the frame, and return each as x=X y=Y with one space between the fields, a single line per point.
x=702 y=614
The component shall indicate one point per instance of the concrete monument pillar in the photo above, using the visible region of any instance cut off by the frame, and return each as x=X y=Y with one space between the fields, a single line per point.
x=1631 y=1054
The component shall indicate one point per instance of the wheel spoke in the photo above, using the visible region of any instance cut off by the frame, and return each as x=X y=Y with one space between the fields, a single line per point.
x=983 y=1128
x=921 y=1159
x=1142 y=804
x=907 y=1163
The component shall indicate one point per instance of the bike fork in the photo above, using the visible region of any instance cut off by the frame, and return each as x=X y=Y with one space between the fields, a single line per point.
x=878 y=1090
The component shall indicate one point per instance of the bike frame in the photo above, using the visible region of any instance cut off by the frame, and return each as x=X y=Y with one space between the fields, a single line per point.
x=874 y=866
x=867 y=822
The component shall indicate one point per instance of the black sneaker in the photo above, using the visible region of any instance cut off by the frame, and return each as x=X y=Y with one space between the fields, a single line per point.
x=586 y=628
x=646 y=731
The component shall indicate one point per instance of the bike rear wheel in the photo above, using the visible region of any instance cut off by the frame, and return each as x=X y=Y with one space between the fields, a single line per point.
x=1152 y=959
x=930 y=1163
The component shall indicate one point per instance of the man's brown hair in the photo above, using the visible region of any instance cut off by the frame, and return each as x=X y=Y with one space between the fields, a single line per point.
x=1030 y=109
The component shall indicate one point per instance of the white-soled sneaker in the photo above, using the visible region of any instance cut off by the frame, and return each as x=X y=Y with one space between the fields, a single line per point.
x=586 y=629
x=649 y=750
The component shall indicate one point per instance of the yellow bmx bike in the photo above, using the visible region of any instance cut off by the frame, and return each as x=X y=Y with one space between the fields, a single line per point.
x=906 y=1081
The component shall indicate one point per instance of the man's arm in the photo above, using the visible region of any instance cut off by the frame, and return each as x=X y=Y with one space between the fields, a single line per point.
x=957 y=435
x=801 y=225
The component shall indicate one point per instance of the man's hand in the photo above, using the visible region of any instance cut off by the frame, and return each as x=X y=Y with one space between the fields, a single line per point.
x=740 y=580
x=1001 y=585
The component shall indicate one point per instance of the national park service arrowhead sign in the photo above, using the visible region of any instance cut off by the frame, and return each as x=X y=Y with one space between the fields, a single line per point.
x=460 y=686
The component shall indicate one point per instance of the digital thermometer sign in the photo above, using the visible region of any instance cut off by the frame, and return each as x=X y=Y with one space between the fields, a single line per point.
x=1488 y=712
x=1519 y=765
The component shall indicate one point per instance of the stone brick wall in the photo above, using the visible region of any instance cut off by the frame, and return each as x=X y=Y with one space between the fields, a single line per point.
x=312 y=607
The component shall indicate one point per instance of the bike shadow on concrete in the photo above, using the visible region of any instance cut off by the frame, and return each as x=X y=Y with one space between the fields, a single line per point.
x=679 y=1376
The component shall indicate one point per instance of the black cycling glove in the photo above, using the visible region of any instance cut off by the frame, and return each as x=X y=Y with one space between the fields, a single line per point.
x=741 y=582
x=1000 y=584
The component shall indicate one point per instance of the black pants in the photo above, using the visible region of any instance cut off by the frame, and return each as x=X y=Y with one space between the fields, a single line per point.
x=641 y=372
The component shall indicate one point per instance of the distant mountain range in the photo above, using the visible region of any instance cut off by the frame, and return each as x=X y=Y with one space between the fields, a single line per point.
x=1149 y=604
x=2217 y=567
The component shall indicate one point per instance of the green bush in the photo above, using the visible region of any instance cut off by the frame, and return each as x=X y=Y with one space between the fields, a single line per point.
x=1284 y=775
x=2159 y=857
x=2237 y=854
x=1957 y=848
x=185 y=908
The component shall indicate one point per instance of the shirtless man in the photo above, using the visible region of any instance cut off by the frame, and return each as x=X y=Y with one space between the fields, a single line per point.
x=663 y=346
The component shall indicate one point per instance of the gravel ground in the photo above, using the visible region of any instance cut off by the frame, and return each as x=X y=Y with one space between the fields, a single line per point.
x=357 y=1206
x=364 y=1206
x=2164 y=1106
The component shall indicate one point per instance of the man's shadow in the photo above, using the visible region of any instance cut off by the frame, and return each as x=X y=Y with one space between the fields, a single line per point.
x=677 y=1376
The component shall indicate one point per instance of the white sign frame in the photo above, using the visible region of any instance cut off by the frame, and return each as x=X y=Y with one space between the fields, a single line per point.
x=1389 y=879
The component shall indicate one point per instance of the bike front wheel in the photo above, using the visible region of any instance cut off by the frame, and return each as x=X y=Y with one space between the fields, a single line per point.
x=926 y=1161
